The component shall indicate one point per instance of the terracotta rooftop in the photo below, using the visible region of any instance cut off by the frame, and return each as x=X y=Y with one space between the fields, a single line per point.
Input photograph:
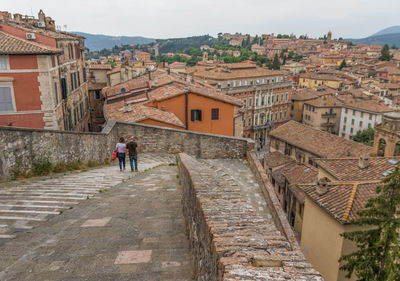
x=140 y=112
x=320 y=143
x=320 y=76
x=227 y=72
x=366 y=104
x=347 y=169
x=343 y=199
x=325 y=101
x=11 y=45
x=276 y=159
x=105 y=66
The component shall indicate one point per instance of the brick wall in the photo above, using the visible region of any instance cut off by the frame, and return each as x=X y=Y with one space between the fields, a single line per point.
x=20 y=147
x=228 y=239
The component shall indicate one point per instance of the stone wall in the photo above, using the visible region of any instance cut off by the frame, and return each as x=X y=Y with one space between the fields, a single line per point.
x=152 y=139
x=21 y=148
x=229 y=240
x=277 y=212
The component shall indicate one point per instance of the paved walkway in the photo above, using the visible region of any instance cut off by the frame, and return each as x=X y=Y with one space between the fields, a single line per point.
x=130 y=228
x=238 y=172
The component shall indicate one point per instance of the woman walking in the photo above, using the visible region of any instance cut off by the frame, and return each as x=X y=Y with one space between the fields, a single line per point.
x=121 y=153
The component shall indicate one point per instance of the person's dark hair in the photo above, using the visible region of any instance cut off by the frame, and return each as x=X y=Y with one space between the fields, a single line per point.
x=121 y=139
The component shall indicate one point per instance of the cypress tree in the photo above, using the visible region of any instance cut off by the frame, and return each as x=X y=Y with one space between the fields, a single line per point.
x=385 y=54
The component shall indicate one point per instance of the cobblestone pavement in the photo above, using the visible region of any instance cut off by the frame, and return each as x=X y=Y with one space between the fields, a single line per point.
x=131 y=228
x=238 y=172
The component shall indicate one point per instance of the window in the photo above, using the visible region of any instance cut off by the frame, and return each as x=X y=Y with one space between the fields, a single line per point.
x=262 y=100
x=84 y=74
x=277 y=98
x=370 y=116
x=6 y=100
x=272 y=99
x=4 y=62
x=354 y=112
x=81 y=109
x=250 y=102
x=256 y=102
x=346 y=110
x=64 y=91
x=87 y=102
x=244 y=102
x=75 y=115
x=249 y=122
x=360 y=124
x=284 y=114
x=79 y=78
x=351 y=130
x=56 y=92
x=344 y=128
x=352 y=121
x=75 y=82
x=215 y=114
x=276 y=116
x=345 y=119
x=72 y=81
x=362 y=114
x=280 y=115
x=255 y=120
x=195 y=115
x=97 y=94
x=287 y=96
x=281 y=97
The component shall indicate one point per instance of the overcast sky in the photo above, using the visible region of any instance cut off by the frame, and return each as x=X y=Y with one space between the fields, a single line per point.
x=181 y=18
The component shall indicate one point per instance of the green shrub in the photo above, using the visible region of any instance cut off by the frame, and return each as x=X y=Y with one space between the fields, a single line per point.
x=41 y=167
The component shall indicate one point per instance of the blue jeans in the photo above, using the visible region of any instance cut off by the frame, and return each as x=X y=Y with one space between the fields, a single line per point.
x=121 y=159
x=131 y=159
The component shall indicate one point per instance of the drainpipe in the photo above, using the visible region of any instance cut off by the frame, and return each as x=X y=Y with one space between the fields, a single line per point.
x=186 y=108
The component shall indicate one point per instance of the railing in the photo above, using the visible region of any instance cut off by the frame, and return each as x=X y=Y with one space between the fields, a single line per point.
x=328 y=114
x=270 y=85
x=328 y=124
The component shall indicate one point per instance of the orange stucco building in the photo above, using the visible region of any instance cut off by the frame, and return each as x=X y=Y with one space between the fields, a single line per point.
x=176 y=103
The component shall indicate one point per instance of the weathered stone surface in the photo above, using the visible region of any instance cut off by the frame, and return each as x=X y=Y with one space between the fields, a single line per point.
x=20 y=148
x=229 y=239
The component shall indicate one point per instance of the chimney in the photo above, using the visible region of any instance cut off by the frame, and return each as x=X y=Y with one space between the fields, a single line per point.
x=363 y=162
x=42 y=17
x=322 y=187
x=17 y=17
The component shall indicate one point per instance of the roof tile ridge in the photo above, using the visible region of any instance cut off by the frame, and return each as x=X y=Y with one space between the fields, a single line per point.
x=350 y=202
x=39 y=45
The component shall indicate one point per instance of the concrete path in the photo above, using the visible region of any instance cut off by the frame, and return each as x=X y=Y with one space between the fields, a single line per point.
x=237 y=172
x=130 y=228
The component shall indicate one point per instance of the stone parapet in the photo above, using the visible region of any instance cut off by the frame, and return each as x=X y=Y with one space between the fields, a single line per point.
x=21 y=148
x=229 y=240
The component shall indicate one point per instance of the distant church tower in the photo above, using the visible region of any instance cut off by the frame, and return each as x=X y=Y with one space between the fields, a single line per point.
x=387 y=135
x=329 y=37
x=205 y=56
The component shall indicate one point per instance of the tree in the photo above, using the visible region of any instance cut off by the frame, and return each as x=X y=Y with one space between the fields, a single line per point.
x=394 y=47
x=366 y=136
x=342 y=64
x=385 y=54
x=276 y=64
x=377 y=240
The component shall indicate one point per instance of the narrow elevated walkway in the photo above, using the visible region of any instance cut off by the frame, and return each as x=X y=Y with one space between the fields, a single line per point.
x=132 y=230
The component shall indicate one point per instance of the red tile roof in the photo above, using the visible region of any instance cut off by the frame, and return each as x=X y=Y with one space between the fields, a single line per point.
x=347 y=169
x=320 y=143
x=11 y=45
x=343 y=199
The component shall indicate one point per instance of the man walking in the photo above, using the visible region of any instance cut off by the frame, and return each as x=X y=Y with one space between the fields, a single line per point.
x=131 y=146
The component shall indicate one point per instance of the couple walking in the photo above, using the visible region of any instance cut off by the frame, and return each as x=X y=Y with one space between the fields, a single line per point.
x=130 y=148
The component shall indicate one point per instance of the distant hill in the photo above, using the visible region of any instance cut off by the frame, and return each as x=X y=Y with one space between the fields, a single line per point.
x=176 y=45
x=389 y=30
x=390 y=36
x=98 y=41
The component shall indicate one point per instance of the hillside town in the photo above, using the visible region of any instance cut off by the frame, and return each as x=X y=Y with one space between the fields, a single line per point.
x=322 y=116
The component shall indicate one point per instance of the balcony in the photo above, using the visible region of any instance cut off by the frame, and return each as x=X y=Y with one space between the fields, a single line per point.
x=328 y=114
x=329 y=125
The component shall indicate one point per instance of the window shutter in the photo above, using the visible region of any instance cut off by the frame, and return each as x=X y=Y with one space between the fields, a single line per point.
x=192 y=115
x=64 y=88
x=199 y=112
